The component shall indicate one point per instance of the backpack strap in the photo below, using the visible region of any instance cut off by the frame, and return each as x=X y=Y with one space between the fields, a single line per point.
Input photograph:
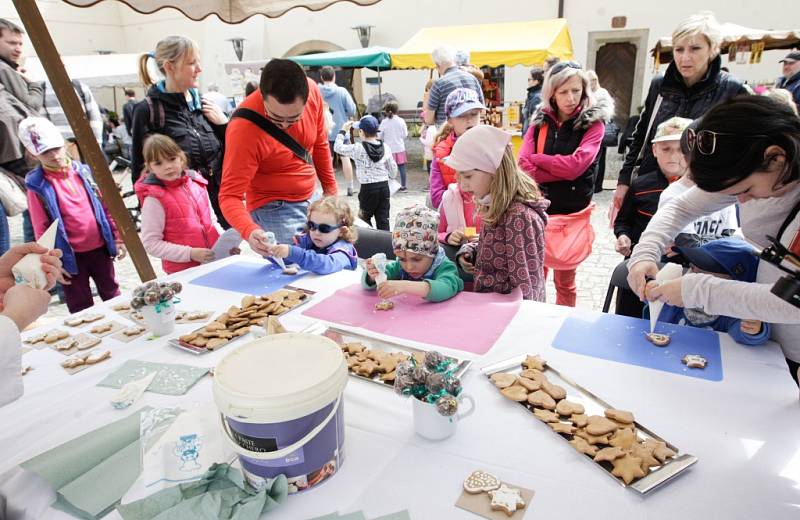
x=276 y=133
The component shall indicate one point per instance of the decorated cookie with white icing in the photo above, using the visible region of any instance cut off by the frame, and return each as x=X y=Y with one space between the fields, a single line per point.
x=506 y=499
x=480 y=481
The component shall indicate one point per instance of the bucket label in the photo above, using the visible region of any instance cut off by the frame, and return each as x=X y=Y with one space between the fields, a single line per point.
x=292 y=459
x=255 y=444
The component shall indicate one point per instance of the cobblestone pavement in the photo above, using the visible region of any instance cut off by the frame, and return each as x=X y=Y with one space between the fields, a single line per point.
x=592 y=278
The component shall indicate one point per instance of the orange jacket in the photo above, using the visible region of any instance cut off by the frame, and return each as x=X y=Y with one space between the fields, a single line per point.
x=260 y=170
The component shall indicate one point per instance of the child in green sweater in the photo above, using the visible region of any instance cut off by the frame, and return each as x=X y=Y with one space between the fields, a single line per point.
x=421 y=267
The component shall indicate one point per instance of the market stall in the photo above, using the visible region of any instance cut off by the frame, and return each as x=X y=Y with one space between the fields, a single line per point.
x=493 y=48
x=375 y=58
x=739 y=423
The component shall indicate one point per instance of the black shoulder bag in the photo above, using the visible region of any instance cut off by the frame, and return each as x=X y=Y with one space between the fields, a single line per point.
x=276 y=133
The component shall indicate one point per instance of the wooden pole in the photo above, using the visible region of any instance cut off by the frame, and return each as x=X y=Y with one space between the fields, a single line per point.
x=51 y=61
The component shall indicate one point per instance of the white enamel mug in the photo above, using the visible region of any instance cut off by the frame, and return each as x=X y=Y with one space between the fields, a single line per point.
x=429 y=423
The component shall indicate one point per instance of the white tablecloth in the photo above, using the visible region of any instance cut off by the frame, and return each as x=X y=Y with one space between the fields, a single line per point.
x=745 y=430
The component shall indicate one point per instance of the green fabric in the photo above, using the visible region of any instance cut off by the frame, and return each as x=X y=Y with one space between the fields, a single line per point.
x=400 y=515
x=222 y=494
x=90 y=474
x=444 y=285
x=375 y=58
x=172 y=379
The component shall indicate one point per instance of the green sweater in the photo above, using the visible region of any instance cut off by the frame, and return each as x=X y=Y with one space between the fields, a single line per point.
x=444 y=281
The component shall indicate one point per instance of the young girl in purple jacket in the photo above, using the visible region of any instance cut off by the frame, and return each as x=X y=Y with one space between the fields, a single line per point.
x=510 y=252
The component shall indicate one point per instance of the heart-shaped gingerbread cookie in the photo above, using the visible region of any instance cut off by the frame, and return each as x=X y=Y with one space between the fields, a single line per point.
x=480 y=481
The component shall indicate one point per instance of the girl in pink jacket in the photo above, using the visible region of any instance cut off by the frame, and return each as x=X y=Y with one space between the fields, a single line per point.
x=178 y=225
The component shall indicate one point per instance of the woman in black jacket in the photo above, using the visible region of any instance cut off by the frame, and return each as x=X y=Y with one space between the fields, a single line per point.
x=174 y=107
x=692 y=84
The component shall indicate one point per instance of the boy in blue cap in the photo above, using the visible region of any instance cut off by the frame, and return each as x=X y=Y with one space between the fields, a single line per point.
x=730 y=258
x=374 y=167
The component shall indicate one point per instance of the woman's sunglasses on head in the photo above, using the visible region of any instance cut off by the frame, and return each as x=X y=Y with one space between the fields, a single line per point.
x=705 y=141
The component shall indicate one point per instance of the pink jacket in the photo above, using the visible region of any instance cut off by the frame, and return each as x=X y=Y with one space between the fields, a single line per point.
x=185 y=219
x=457 y=212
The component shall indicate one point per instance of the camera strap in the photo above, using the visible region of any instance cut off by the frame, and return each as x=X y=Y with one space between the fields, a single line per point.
x=789 y=219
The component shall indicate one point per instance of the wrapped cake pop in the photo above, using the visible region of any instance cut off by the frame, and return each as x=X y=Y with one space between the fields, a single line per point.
x=447 y=405
x=431 y=381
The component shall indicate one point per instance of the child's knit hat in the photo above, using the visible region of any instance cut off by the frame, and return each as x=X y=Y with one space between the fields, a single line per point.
x=39 y=135
x=416 y=230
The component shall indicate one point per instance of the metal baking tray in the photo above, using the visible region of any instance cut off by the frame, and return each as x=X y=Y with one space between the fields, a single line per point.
x=342 y=336
x=596 y=406
x=177 y=343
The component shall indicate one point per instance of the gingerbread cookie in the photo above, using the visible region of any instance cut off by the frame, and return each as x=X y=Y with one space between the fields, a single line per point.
x=55 y=335
x=534 y=362
x=546 y=415
x=122 y=307
x=515 y=393
x=503 y=380
x=291 y=270
x=582 y=446
x=480 y=481
x=555 y=391
x=592 y=439
x=694 y=361
x=531 y=385
x=659 y=340
x=542 y=399
x=560 y=427
x=660 y=449
x=506 y=499
x=597 y=425
x=568 y=408
x=620 y=416
x=384 y=305
x=628 y=468
x=646 y=454
x=624 y=438
x=534 y=374
x=579 y=419
x=102 y=328
x=609 y=454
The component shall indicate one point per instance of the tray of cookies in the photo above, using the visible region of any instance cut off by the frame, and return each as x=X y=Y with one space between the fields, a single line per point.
x=375 y=360
x=237 y=320
x=631 y=454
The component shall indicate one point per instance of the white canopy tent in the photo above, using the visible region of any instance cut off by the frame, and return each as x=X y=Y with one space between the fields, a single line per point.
x=96 y=70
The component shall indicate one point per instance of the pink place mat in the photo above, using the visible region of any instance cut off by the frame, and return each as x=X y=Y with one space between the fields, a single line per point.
x=471 y=322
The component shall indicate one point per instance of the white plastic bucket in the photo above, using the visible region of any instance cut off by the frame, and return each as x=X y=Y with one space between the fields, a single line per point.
x=280 y=403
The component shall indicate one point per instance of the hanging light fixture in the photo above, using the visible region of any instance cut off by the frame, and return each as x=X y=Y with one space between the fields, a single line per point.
x=238 y=46
x=364 y=32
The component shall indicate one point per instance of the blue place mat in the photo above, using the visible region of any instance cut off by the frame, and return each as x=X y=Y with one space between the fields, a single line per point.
x=622 y=339
x=247 y=277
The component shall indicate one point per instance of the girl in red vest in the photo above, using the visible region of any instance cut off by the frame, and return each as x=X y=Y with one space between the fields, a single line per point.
x=463 y=110
x=178 y=225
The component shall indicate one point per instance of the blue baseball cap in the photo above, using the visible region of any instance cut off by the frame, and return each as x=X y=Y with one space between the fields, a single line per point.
x=731 y=256
x=368 y=124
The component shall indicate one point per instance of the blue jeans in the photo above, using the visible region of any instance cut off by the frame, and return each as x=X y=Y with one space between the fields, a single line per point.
x=5 y=233
x=283 y=218
x=401 y=168
x=27 y=228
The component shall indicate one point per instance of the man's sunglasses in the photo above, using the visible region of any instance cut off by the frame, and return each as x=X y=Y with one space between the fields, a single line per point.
x=322 y=228
x=705 y=141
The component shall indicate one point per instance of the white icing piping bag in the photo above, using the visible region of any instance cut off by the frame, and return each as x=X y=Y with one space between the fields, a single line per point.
x=667 y=273
x=29 y=269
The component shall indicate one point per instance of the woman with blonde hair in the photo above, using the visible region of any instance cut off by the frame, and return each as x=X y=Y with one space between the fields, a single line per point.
x=560 y=151
x=692 y=84
x=173 y=107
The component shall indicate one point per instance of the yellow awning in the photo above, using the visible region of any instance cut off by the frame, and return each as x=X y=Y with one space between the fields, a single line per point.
x=515 y=43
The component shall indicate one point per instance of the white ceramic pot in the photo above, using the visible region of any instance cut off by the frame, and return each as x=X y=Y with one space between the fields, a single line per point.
x=162 y=321
x=429 y=423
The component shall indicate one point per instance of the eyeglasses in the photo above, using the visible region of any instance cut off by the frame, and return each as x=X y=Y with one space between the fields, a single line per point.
x=280 y=120
x=322 y=228
x=561 y=65
x=706 y=140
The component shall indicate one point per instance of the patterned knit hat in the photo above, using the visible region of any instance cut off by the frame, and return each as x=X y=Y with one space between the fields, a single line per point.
x=416 y=230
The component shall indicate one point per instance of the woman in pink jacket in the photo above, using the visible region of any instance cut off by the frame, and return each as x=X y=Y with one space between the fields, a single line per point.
x=560 y=152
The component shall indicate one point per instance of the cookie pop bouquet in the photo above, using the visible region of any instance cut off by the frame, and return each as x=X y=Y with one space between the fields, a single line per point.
x=432 y=381
x=156 y=302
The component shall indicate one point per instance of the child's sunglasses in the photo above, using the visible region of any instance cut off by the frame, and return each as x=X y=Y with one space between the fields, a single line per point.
x=322 y=228
x=705 y=141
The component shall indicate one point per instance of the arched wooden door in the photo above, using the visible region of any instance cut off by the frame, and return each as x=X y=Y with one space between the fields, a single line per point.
x=615 y=65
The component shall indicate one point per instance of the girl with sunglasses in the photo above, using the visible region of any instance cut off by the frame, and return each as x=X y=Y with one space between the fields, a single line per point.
x=744 y=151
x=327 y=245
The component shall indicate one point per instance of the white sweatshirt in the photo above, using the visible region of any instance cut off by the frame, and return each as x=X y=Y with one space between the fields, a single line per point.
x=10 y=361
x=759 y=217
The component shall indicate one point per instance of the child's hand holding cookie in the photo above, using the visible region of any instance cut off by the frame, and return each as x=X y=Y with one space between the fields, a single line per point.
x=396 y=287
x=751 y=326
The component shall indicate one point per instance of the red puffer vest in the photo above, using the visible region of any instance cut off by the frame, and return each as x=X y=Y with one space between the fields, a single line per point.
x=442 y=150
x=187 y=213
